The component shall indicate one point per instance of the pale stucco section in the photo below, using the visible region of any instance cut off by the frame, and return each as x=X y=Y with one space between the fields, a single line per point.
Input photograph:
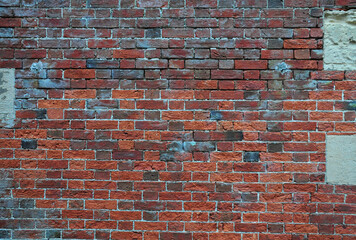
x=341 y=159
x=7 y=93
x=340 y=40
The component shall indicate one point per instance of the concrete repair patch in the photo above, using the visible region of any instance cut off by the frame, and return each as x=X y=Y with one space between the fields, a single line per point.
x=7 y=93
x=341 y=159
x=340 y=40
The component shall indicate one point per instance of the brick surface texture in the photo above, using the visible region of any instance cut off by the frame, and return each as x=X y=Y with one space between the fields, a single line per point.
x=173 y=120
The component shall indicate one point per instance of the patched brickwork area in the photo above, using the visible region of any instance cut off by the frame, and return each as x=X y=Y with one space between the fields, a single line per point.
x=177 y=119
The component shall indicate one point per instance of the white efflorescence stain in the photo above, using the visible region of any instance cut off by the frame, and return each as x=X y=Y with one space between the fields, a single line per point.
x=37 y=68
x=7 y=93
x=340 y=40
x=341 y=159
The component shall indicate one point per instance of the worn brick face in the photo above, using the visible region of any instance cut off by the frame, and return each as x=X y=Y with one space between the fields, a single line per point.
x=179 y=119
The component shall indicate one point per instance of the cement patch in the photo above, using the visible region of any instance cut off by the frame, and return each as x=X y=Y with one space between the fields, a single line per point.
x=341 y=159
x=7 y=93
x=340 y=40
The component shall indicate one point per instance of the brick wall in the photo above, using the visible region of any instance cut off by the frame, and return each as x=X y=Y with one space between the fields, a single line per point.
x=172 y=119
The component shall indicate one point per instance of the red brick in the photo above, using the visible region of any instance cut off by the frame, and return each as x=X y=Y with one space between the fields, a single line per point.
x=299 y=105
x=326 y=116
x=205 y=227
x=327 y=75
x=302 y=64
x=54 y=23
x=103 y=43
x=79 y=73
x=251 y=43
x=202 y=3
x=91 y=224
x=250 y=64
x=226 y=156
x=196 y=125
x=53 y=144
x=79 y=33
x=250 y=227
x=10 y=22
x=28 y=193
x=125 y=53
x=10 y=143
x=51 y=204
x=53 y=103
x=124 y=94
x=276 y=54
x=177 y=33
x=80 y=214
x=300 y=43
x=102 y=124
x=301 y=228
x=79 y=154
x=30 y=53
x=78 y=234
x=100 y=204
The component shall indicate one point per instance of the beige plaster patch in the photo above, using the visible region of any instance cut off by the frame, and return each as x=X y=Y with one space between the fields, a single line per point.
x=341 y=159
x=7 y=93
x=340 y=40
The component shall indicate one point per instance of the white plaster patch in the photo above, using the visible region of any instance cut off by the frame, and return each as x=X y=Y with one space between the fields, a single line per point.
x=340 y=40
x=341 y=159
x=7 y=93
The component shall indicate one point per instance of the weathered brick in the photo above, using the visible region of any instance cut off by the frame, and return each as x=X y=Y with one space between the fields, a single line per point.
x=29 y=144
x=55 y=3
x=128 y=74
x=153 y=33
x=251 y=157
x=275 y=43
x=201 y=64
x=202 y=4
x=10 y=3
x=177 y=53
x=152 y=43
x=151 y=64
x=102 y=64
x=275 y=3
